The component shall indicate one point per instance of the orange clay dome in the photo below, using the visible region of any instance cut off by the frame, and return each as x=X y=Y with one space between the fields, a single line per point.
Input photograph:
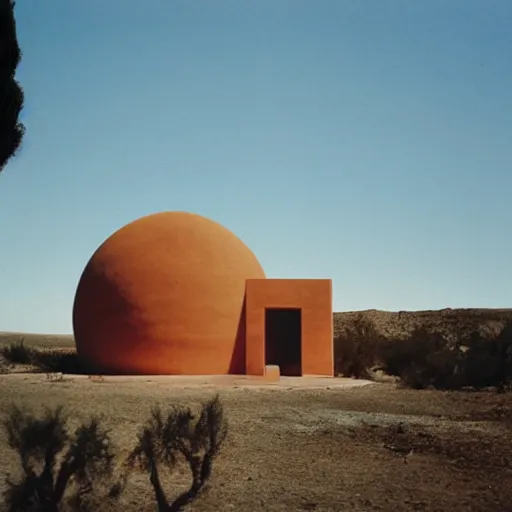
x=164 y=295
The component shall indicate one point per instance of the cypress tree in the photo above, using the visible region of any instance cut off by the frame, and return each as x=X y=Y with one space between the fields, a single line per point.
x=11 y=94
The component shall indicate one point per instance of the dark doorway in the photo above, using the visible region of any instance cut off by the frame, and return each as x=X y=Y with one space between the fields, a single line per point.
x=283 y=340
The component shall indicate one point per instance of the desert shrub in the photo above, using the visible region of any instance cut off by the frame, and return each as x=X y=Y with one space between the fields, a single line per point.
x=426 y=359
x=54 y=462
x=180 y=437
x=59 y=361
x=44 y=360
x=440 y=370
x=356 y=348
x=398 y=354
x=4 y=364
x=18 y=353
x=488 y=362
x=504 y=370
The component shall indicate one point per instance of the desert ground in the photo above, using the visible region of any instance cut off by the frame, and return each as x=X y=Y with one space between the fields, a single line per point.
x=293 y=448
x=322 y=445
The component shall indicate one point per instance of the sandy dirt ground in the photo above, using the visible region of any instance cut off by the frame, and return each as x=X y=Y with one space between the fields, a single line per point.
x=327 y=446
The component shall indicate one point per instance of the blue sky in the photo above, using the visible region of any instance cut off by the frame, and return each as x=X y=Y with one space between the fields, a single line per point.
x=366 y=141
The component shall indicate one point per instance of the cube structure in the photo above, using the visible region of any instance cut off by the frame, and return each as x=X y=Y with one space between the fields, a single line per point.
x=289 y=324
x=177 y=293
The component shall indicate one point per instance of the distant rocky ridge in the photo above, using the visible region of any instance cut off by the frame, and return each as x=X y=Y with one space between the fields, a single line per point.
x=452 y=323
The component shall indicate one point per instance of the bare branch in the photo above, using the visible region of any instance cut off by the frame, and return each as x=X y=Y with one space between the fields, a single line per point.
x=181 y=436
x=39 y=441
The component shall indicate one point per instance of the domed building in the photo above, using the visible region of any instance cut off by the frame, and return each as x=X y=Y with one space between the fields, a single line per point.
x=176 y=293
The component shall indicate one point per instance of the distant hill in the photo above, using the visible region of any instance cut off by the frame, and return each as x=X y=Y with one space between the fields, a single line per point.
x=450 y=322
x=51 y=341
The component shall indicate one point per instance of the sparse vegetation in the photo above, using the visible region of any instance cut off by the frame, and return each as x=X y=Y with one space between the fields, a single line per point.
x=426 y=358
x=56 y=466
x=43 y=360
x=355 y=348
x=284 y=447
x=181 y=436
x=18 y=353
x=59 y=361
x=489 y=362
x=77 y=470
x=185 y=443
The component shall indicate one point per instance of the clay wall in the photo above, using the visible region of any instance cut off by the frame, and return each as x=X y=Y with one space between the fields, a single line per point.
x=314 y=298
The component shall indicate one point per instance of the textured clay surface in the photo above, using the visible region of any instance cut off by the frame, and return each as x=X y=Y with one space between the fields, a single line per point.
x=165 y=295
x=314 y=298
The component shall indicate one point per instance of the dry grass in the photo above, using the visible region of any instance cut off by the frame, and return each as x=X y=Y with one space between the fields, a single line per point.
x=40 y=341
x=311 y=449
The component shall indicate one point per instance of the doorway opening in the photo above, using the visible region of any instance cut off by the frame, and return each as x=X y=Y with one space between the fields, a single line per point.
x=283 y=340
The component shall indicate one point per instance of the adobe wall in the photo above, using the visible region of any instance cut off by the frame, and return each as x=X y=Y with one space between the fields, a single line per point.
x=314 y=298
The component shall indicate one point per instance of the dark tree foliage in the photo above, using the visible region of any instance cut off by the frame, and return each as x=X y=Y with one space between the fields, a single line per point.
x=489 y=362
x=180 y=436
x=11 y=94
x=426 y=359
x=54 y=461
